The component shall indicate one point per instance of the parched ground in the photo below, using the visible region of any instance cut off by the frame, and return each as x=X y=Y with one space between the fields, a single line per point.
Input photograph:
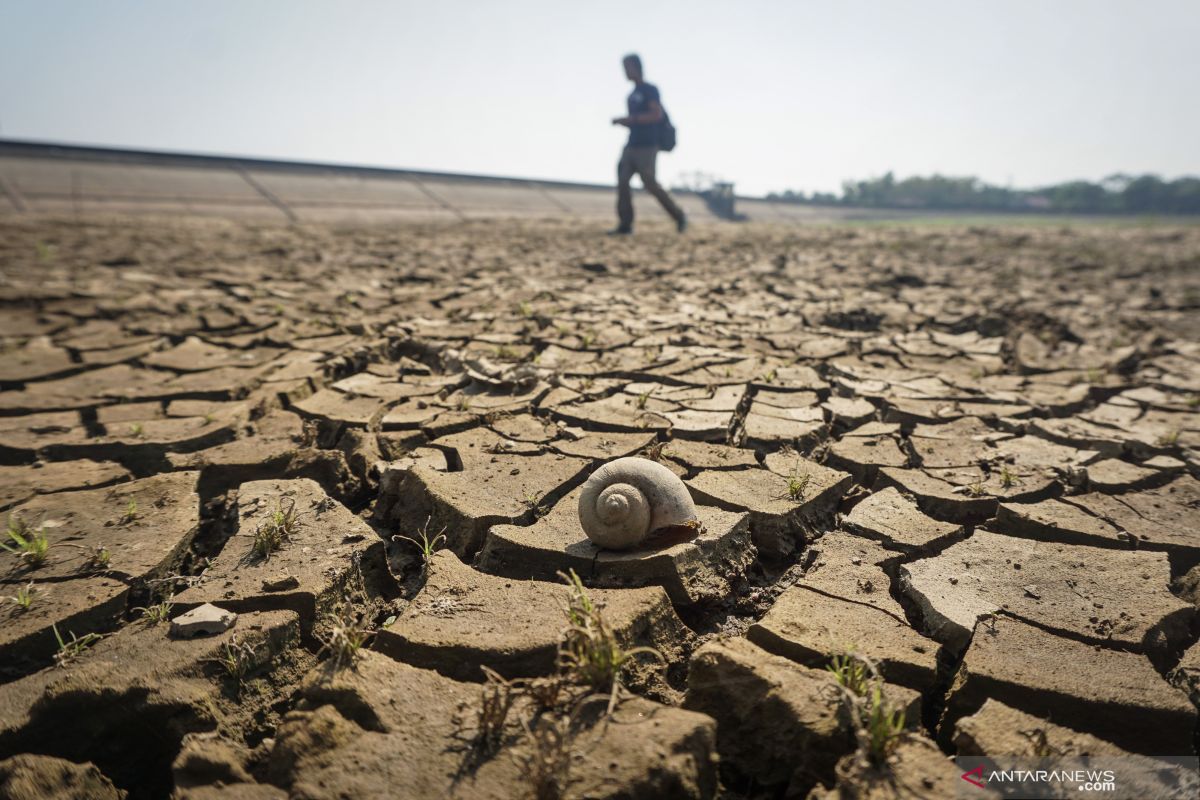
x=968 y=456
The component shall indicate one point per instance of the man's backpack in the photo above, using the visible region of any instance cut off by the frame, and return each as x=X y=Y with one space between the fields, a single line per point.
x=666 y=134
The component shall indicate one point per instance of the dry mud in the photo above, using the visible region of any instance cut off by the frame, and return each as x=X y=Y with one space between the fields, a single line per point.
x=969 y=455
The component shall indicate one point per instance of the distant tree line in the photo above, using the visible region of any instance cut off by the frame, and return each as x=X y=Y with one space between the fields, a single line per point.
x=1116 y=194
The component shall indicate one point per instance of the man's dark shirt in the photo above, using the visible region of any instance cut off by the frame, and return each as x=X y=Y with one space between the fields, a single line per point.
x=639 y=103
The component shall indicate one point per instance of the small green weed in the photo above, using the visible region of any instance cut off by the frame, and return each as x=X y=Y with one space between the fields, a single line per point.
x=798 y=485
x=426 y=545
x=589 y=652
x=26 y=543
x=24 y=596
x=136 y=430
x=69 y=651
x=157 y=613
x=345 y=637
x=280 y=525
x=1168 y=439
x=131 y=512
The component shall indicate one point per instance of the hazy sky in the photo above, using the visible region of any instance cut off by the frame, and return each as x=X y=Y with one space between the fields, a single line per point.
x=771 y=95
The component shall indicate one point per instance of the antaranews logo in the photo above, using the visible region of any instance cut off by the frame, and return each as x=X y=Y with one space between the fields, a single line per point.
x=1108 y=777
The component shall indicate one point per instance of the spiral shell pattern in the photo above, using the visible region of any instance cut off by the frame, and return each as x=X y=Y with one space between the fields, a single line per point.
x=627 y=499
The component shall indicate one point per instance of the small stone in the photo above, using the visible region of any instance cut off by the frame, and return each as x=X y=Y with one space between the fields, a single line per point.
x=202 y=620
x=280 y=583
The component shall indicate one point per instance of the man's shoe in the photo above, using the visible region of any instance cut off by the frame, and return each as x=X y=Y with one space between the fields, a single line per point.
x=681 y=224
x=620 y=232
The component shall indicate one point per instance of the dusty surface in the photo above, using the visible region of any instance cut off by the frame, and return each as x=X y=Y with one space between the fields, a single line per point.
x=968 y=455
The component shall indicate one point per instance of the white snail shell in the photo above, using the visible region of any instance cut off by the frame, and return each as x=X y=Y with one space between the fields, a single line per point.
x=626 y=500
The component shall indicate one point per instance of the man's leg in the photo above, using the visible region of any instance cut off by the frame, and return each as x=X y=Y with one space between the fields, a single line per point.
x=625 y=170
x=646 y=169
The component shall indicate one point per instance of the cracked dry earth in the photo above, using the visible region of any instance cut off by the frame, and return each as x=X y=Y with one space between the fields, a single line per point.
x=967 y=455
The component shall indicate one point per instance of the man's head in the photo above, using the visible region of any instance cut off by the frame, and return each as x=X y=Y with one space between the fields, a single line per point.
x=633 y=67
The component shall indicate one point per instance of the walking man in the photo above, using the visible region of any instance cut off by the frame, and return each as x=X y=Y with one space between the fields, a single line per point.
x=644 y=122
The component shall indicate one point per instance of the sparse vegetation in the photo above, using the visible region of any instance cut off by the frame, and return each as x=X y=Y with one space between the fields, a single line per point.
x=99 y=559
x=589 y=653
x=798 y=485
x=1008 y=478
x=236 y=660
x=136 y=430
x=425 y=544
x=878 y=724
x=23 y=599
x=29 y=545
x=850 y=672
x=280 y=525
x=131 y=512
x=533 y=501
x=156 y=614
x=345 y=637
x=882 y=723
x=643 y=398
x=69 y=651
x=1168 y=439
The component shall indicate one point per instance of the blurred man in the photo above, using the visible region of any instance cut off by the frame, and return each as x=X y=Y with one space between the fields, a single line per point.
x=641 y=151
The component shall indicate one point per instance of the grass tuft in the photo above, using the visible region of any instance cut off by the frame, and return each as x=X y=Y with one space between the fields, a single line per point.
x=69 y=651
x=23 y=599
x=345 y=638
x=589 y=653
x=426 y=545
x=27 y=544
x=157 y=613
x=271 y=535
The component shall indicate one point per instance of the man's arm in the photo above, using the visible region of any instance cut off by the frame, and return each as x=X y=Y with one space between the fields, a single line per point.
x=650 y=116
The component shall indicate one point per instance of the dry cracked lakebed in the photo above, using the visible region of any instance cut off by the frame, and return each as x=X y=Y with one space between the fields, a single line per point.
x=946 y=486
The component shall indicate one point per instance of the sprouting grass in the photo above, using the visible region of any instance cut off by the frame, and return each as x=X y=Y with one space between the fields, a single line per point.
x=533 y=501
x=426 y=545
x=235 y=660
x=643 y=398
x=463 y=404
x=588 y=339
x=1008 y=478
x=1095 y=375
x=882 y=723
x=1168 y=439
x=768 y=376
x=975 y=489
x=525 y=309
x=345 y=638
x=506 y=353
x=69 y=651
x=136 y=430
x=589 y=652
x=798 y=485
x=131 y=512
x=23 y=599
x=157 y=613
x=851 y=673
x=27 y=544
x=879 y=725
x=280 y=525
x=99 y=560
x=495 y=701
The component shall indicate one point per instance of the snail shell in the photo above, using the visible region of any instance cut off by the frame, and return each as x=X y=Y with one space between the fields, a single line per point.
x=626 y=500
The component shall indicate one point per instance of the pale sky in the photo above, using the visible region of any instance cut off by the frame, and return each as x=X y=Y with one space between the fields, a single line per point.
x=770 y=95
